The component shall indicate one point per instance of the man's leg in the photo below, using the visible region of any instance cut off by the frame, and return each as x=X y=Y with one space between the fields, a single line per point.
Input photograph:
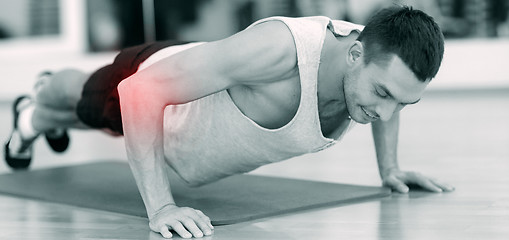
x=50 y=112
x=56 y=99
x=63 y=96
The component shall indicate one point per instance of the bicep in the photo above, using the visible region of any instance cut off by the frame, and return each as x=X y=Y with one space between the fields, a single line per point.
x=261 y=54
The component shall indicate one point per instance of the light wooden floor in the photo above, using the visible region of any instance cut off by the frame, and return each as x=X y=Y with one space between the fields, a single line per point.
x=461 y=138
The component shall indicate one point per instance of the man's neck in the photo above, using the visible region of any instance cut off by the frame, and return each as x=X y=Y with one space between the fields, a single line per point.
x=333 y=67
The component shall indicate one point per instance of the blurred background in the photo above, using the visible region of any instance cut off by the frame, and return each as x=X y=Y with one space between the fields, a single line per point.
x=473 y=82
x=38 y=35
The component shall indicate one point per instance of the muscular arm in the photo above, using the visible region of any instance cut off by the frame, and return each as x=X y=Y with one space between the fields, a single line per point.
x=385 y=135
x=255 y=56
x=142 y=117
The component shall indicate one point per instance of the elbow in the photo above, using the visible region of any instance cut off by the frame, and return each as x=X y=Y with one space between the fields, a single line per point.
x=133 y=92
x=129 y=90
x=124 y=87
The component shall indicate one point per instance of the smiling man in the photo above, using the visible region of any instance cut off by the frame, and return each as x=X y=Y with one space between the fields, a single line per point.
x=281 y=88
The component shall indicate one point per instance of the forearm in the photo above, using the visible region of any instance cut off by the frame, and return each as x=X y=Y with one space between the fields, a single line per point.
x=142 y=118
x=385 y=135
x=152 y=183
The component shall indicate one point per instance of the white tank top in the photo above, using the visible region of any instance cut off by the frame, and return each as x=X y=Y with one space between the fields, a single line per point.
x=210 y=138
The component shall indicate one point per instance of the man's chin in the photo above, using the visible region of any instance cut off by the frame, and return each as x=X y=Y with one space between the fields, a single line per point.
x=361 y=122
x=359 y=119
x=356 y=113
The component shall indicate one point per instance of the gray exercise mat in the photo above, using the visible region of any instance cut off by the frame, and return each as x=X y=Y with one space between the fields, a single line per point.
x=110 y=186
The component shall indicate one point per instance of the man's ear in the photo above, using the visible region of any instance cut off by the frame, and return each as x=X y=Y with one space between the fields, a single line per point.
x=355 y=52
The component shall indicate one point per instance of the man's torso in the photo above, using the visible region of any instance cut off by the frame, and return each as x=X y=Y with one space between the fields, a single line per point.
x=274 y=105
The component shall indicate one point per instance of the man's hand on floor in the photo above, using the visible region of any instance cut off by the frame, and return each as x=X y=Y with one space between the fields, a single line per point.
x=399 y=180
x=187 y=222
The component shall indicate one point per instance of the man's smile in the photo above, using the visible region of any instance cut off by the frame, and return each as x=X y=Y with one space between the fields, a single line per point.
x=372 y=116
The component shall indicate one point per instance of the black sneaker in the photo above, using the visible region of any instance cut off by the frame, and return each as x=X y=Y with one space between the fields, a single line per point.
x=18 y=151
x=58 y=139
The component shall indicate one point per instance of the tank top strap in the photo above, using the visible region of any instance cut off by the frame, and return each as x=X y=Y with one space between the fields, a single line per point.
x=308 y=34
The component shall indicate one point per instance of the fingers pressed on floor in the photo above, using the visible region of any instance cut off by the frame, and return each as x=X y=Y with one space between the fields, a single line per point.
x=205 y=218
x=429 y=185
x=165 y=232
x=397 y=185
x=204 y=226
x=444 y=186
x=192 y=227
x=181 y=230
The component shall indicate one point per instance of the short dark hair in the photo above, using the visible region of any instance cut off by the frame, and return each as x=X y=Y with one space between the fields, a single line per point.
x=410 y=34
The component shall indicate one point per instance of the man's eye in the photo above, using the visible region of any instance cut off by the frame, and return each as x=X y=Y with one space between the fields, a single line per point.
x=381 y=94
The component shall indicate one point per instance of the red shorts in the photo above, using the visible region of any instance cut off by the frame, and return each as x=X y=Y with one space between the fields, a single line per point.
x=99 y=105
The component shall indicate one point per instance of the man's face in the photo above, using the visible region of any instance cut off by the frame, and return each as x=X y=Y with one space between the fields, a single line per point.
x=375 y=92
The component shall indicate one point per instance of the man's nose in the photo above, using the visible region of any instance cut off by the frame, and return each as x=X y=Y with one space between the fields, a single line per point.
x=386 y=109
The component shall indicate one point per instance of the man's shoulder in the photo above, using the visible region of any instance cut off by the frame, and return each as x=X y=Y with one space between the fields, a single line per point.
x=345 y=28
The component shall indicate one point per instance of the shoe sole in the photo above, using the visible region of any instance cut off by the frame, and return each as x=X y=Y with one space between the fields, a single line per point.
x=13 y=162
